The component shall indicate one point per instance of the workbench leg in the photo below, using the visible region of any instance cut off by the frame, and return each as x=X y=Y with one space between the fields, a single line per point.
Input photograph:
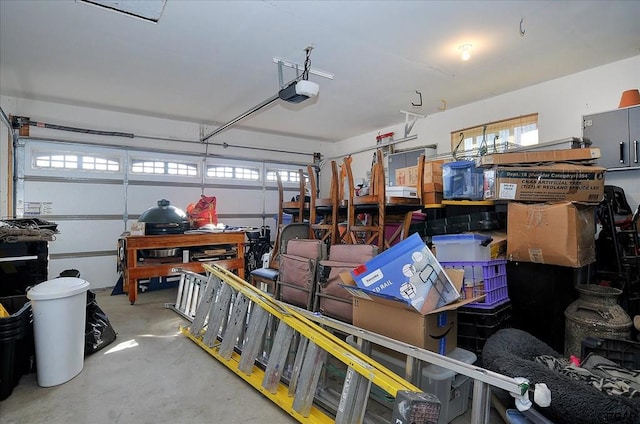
x=132 y=290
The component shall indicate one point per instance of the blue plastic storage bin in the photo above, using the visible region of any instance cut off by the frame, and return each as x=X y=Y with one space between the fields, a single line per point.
x=462 y=180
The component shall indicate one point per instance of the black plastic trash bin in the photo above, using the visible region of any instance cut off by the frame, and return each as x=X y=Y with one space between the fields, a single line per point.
x=16 y=343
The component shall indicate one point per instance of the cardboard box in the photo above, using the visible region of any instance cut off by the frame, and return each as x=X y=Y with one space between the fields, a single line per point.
x=545 y=183
x=409 y=176
x=559 y=155
x=432 y=198
x=498 y=245
x=436 y=330
x=408 y=272
x=551 y=233
x=401 y=191
x=137 y=228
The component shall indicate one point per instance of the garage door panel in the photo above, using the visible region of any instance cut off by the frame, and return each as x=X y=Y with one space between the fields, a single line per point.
x=141 y=198
x=98 y=271
x=86 y=236
x=87 y=204
x=77 y=199
x=246 y=201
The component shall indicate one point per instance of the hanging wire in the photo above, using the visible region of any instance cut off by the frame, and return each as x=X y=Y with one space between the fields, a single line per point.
x=307 y=63
x=455 y=151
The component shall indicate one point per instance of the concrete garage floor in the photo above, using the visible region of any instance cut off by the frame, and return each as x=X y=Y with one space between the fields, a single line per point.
x=150 y=374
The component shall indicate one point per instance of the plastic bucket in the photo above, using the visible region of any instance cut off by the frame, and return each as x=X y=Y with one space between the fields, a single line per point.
x=59 y=315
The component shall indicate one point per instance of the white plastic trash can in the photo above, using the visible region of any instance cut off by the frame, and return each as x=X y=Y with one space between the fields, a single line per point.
x=59 y=314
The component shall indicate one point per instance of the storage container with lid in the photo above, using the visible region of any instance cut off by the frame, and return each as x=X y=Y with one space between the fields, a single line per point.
x=462 y=180
x=59 y=316
x=462 y=247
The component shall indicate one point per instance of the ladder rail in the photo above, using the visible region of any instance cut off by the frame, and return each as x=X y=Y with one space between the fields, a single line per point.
x=477 y=373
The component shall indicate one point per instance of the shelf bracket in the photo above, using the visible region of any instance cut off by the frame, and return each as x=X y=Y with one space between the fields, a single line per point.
x=408 y=124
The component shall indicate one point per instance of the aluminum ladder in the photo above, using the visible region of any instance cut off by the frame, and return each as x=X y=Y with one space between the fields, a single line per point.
x=282 y=354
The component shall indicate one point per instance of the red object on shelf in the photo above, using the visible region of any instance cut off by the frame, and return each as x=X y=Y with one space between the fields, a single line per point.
x=381 y=138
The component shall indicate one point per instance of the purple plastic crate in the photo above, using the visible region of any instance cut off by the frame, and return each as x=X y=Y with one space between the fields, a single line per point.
x=483 y=277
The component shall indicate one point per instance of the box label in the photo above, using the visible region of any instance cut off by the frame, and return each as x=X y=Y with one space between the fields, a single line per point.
x=535 y=256
x=508 y=191
x=372 y=278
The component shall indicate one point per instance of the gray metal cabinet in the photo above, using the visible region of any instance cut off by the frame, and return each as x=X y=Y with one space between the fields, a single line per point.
x=617 y=134
x=405 y=159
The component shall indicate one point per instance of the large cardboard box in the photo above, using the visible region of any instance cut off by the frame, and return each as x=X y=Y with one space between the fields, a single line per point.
x=409 y=272
x=558 y=155
x=545 y=183
x=409 y=176
x=436 y=330
x=551 y=233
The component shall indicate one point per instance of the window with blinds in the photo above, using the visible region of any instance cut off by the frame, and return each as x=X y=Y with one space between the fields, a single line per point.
x=497 y=136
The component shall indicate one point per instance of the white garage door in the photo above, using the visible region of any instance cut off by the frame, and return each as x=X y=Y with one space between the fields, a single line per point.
x=94 y=192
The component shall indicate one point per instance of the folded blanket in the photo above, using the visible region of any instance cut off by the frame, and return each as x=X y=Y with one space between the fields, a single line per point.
x=599 y=372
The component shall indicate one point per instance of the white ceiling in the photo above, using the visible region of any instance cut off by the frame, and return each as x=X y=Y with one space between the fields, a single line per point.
x=209 y=61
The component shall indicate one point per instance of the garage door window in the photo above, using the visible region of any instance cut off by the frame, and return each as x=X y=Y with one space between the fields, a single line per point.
x=164 y=167
x=75 y=162
x=286 y=175
x=233 y=172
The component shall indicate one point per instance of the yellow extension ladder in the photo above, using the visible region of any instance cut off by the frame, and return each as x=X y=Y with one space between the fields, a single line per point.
x=234 y=322
x=282 y=354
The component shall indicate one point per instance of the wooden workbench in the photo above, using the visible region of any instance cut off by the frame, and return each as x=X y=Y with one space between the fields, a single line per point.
x=134 y=269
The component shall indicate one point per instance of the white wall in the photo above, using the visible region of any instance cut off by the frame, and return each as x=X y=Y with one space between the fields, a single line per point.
x=560 y=103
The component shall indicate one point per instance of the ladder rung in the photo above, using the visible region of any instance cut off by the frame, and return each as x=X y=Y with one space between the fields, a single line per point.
x=353 y=399
x=205 y=304
x=314 y=358
x=255 y=333
x=235 y=326
x=278 y=357
x=219 y=313
x=297 y=364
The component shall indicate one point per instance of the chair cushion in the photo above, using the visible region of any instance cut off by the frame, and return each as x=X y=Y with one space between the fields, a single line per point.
x=266 y=273
x=297 y=279
x=353 y=253
x=306 y=248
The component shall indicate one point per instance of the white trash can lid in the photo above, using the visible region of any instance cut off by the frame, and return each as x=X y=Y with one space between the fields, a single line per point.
x=57 y=288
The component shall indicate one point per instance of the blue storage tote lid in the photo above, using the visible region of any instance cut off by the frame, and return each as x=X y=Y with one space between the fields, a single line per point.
x=460 y=238
x=459 y=164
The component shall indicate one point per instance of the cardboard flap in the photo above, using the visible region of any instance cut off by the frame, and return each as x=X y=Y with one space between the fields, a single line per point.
x=456 y=275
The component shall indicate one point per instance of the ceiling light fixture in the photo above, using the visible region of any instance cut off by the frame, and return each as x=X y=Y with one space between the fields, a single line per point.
x=466 y=51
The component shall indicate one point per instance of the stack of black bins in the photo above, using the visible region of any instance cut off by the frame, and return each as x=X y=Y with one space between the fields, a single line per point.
x=17 y=352
x=476 y=325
